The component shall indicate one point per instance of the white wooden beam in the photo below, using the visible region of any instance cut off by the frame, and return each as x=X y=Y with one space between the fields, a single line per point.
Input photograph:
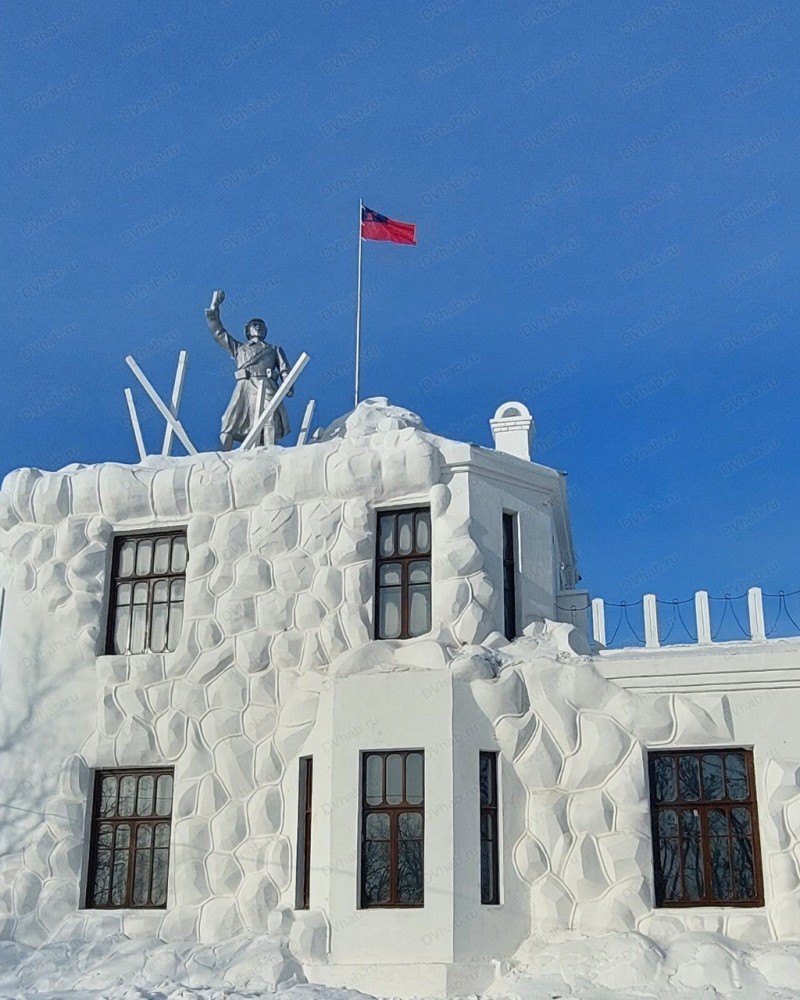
x=755 y=606
x=177 y=392
x=159 y=404
x=308 y=416
x=599 y=621
x=137 y=430
x=275 y=402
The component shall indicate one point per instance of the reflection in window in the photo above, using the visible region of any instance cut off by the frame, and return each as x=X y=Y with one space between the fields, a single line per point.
x=704 y=828
x=392 y=825
x=131 y=835
x=404 y=574
x=147 y=593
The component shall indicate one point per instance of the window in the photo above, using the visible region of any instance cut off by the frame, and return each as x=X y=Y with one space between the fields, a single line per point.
x=130 y=841
x=392 y=827
x=490 y=836
x=404 y=574
x=147 y=590
x=510 y=574
x=705 y=828
x=303 y=890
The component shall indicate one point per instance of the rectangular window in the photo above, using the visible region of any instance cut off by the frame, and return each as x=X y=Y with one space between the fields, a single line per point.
x=392 y=828
x=705 y=828
x=404 y=574
x=130 y=839
x=490 y=830
x=303 y=892
x=148 y=580
x=510 y=574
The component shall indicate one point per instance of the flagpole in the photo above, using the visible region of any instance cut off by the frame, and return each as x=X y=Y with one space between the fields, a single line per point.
x=358 y=303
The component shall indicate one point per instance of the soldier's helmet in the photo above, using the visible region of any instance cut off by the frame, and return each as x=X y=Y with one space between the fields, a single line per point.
x=255 y=329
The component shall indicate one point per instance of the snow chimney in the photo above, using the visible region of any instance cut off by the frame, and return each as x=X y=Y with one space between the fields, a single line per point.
x=513 y=430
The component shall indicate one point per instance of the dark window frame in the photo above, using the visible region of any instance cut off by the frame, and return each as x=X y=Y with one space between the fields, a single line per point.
x=133 y=821
x=405 y=561
x=304 y=816
x=510 y=570
x=150 y=579
x=394 y=811
x=489 y=829
x=703 y=806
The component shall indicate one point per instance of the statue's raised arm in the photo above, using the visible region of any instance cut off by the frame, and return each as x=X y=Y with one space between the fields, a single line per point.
x=218 y=331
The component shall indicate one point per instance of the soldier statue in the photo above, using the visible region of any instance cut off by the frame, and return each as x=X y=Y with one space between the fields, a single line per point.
x=260 y=367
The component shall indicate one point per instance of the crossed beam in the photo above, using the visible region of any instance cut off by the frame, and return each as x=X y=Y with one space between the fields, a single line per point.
x=176 y=428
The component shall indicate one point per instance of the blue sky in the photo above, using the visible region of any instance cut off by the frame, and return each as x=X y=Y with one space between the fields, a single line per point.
x=606 y=201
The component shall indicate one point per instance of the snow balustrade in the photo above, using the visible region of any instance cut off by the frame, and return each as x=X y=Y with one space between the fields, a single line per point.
x=652 y=623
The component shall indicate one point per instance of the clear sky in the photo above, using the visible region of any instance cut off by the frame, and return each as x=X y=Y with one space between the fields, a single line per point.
x=607 y=209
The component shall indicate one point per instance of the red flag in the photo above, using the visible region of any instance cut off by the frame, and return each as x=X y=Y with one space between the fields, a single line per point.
x=379 y=227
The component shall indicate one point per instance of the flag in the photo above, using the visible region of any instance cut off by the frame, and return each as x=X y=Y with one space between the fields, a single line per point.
x=379 y=227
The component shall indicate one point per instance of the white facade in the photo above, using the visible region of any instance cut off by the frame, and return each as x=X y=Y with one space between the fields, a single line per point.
x=277 y=661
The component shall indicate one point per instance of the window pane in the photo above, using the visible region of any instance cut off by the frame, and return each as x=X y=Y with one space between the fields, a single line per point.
x=123 y=594
x=740 y=822
x=693 y=881
x=718 y=848
x=158 y=628
x=736 y=776
x=665 y=780
x=669 y=860
x=374 y=782
x=409 y=826
x=161 y=555
x=144 y=556
x=175 y=626
x=394 y=779
x=177 y=590
x=508 y=538
x=419 y=610
x=179 y=554
x=140 y=591
x=138 y=642
x=414 y=779
x=488 y=865
x=409 y=871
x=144 y=800
x=141 y=878
x=102 y=878
x=377 y=826
x=405 y=533
x=689 y=777
x=161 y=591
x=127 y=794
x=423 y=532
x=376 y=872
x=121 y=629
x=162 y=835
x=389 y=613
x=713 y=783
x=164 y=796
x=386 y=535
x=487 y=767
x=105 y=836
x=119 y=889
x=743 y=864
x=419 y=571
x=108 y=796
x=127 y=558
x=390 y=575
x=158 y=895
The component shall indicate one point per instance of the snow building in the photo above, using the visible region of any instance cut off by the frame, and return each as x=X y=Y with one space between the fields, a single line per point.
x=349 y=694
